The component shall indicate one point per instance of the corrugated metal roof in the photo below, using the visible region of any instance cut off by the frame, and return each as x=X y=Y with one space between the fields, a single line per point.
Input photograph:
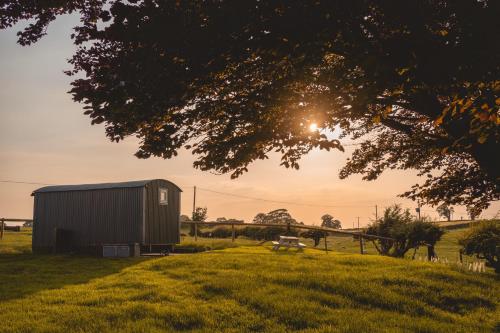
x=87 y=187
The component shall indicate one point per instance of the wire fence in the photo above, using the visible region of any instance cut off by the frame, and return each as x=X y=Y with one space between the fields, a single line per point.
x=316 y=238
x=316 y=234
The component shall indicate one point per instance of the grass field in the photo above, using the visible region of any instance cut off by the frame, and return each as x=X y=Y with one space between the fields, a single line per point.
x=241 y=287
x=446 y=248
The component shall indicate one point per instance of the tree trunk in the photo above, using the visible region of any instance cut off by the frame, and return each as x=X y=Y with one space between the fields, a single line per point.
x=414 y=253
x=431 y=253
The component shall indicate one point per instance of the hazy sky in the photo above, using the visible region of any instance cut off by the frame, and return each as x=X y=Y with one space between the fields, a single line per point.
x=44 y=137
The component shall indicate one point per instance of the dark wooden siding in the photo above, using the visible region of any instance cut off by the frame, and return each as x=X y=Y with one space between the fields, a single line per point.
x=93 y=216
x=162 y=221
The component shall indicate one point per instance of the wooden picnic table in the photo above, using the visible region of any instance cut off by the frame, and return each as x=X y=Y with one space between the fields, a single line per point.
x=288 y=242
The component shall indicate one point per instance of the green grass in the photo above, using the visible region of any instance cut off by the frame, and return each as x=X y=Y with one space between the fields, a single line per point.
x=16 y=242
x=335 y=242
x=447 y=247
x=243 y=288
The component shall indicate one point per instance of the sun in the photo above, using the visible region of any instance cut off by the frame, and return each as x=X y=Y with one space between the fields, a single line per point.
x=313 y=127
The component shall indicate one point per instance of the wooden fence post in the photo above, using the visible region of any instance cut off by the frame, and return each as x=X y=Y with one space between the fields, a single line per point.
x=232 y=232
x=1 y=228
x=196 y=231
x=326 y=246
x=361 y=245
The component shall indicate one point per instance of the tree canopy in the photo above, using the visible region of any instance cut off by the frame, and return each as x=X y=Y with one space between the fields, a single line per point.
x=407 y=232
x=482 y=240
x=416 y=82
x=200 y=214
x=277 y=216
x=328 y=221
x=445 y=211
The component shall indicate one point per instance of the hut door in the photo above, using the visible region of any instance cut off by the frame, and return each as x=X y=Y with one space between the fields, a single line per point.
x=63 y=241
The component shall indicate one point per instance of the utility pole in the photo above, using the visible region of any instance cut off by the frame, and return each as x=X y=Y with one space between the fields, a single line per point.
x=194 y=202
x=418 y=209
x=376 y=213
x=358 y=222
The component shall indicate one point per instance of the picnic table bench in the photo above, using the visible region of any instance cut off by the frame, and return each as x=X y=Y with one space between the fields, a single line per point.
x=288 y=242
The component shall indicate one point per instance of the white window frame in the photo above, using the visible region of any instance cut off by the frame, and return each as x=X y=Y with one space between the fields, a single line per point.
x=161 y=191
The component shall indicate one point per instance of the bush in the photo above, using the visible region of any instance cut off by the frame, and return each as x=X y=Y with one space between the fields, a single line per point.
x=218 y=232
x=315 y=235
x=255 y=233
x=265 y=233
x=406 y=232
x=483 y=241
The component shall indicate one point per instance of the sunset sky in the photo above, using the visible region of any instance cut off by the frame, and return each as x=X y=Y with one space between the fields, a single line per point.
x=45 y=138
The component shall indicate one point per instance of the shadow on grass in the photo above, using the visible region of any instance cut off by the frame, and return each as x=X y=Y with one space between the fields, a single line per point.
x=24 y=274
x=284 y=250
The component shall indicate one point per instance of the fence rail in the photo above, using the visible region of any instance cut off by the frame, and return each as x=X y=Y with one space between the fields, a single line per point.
x=5 y=219
x=357 y=234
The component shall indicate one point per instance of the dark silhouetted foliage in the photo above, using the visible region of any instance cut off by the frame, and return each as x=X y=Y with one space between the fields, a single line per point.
x=483 y=241
x=329 y=222
x=234 y=81
x=277 y=216
x=407 y=232
x=315 y=235
x=199 y=215
x=445 y=211
x=265 y=233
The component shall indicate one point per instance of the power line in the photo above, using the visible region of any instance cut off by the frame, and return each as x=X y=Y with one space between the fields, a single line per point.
x=276 y=201
x=222 y=193
x=29 y=183
x=232 y=195
x=226 y=194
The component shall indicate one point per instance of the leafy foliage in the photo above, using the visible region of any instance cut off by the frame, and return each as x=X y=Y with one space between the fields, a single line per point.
x=315 y=235
x=234 y=81
x=266 y=233
x=483 y=241
x=231 y=220
x=407 y=232
x=329 y=222
x=184 y=218
x=445 y=211
x=473 y=212
x=277 y=216
x=200 y=214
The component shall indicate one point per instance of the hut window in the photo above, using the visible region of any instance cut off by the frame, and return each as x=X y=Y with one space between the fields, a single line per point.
x=163 y=196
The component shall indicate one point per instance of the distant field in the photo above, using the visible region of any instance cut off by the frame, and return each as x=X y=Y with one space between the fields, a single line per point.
x=16 y=242
x=241 y=287
x=447 y=248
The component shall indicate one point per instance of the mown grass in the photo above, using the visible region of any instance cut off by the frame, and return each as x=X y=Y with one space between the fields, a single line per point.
x=335 y=242
x=245 y=288
x=16 y=242
x=447 y=247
